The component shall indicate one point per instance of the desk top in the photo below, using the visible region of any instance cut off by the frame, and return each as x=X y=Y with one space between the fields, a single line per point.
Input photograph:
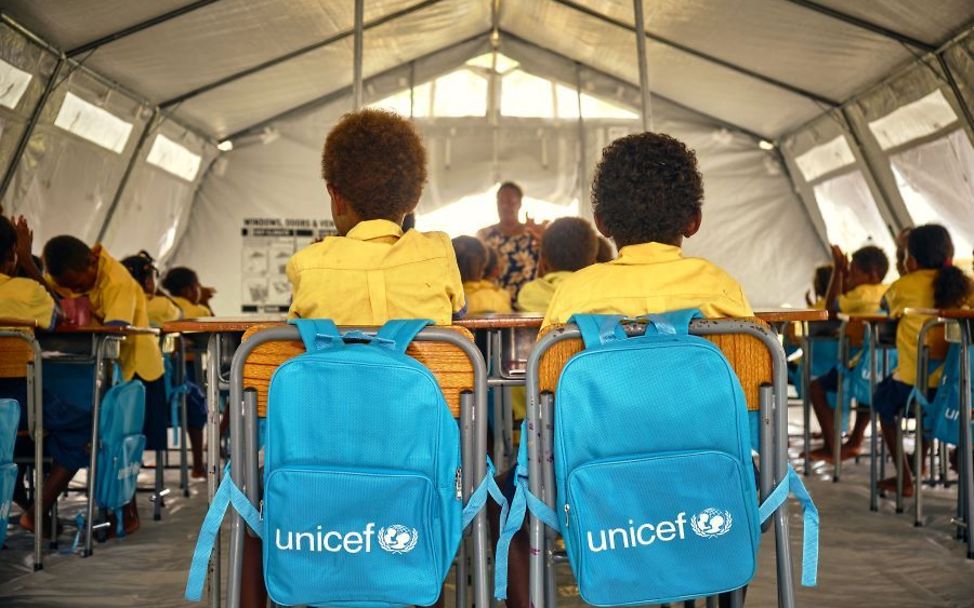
x=8 y=322
x=781 y=315
x=943 y=313
x=501 y=321
x=118 y=330
x=219 y=325
x=866 y=318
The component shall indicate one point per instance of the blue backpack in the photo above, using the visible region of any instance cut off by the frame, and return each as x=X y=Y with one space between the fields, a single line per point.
x=9 y=421
x=362 y=500
x=942 y=414
x=120 y=445
x=656 y=497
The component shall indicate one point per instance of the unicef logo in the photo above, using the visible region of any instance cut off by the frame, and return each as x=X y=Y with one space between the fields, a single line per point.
x=398 y=539
x=711 y=523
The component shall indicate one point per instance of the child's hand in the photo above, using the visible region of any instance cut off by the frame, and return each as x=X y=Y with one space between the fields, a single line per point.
x=25 y=240
x=206 y=293
x=841 y=263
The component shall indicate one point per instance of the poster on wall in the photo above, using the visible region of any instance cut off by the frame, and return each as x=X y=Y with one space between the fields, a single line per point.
x=268 y=244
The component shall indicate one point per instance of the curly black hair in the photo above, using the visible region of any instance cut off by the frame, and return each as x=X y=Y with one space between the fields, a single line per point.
x=647 y=188
x=871 y=259
x=376 y=161
x=66 y=253
x=179 y=279
x=141 y=266
x=823 y=276
x=8 y=240
x=931 y=247
x=471 y=258
x=569 y=244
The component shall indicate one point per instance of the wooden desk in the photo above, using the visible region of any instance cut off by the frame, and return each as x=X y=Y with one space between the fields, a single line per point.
x=787 y=315
x=511 y=320
x=210 y=325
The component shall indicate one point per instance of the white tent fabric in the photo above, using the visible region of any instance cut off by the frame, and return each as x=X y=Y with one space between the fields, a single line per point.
x=724 y=75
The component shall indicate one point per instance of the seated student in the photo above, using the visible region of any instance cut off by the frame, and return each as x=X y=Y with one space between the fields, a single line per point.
x=116 y=299
x=374 y=166
x=647 y=213
x=481 y=294
x=854 y=288
x=160 y=308
x=932 y=281
x=567 y=245
x=815 y=297
x=21 y=298
x=185 y=290
x=494 y=269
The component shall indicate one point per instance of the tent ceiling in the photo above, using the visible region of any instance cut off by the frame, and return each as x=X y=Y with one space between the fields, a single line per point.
x=767 y=65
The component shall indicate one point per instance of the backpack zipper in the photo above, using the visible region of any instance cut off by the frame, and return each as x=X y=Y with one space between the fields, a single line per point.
x=458 y=481
x=567 y=513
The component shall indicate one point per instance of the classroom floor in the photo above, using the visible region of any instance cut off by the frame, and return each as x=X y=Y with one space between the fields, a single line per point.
x=867 y=559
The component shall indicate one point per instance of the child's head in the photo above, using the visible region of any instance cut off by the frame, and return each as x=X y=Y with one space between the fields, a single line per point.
x=605 y=254
x=142 y=268
x=869 y=267
x=647 y=188
x=374 y=164
x=471 y=258
x=569 y=244
x=8 y=247
x=493 y=269
x=823 y=276
x=182 y=282
x=931 y=248
x=71 y=263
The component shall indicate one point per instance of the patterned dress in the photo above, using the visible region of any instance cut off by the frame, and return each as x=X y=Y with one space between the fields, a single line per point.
x=519 y=254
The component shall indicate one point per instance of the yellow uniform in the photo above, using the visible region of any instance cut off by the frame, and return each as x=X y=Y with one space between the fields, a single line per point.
x=376 y=273
x=162 y=310
x=863 y=300
x=536 y=295
x=190 y=310
x=26 y=299
x=913 y=290
x=649 y=278
x=484 y=296
x=117 y=297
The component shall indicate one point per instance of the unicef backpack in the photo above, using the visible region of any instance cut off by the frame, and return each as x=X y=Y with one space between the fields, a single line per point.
x=120 y=446
x=656 y=497
x=362 y=481
x=942 y=414
x=9 y=421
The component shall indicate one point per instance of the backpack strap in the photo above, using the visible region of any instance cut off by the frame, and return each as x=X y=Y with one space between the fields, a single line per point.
x=792 y=484
x=318 y=334
x=676 y=322
x=599 y=329
x=512 y=517
x=398 y=333
x=477 y=501
x=228 y=493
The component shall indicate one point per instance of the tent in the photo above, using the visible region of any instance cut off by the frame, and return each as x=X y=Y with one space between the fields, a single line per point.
x=814 y=121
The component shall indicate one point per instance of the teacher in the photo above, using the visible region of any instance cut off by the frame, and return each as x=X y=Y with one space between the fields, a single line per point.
x=518 y=245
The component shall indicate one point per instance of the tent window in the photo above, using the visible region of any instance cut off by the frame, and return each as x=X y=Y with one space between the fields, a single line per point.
x=825 y=158
x=526 y=95
x=13 y=84
x=460 y=93
x=851 y=217
x=936 y=181
x=470 y=213
x=486 y=61
x=913 y=121
x=174 y=158
x=93 y=123
x=399 y=102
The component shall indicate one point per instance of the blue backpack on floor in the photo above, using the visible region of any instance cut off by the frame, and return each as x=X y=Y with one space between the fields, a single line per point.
x=120 y=446
x=362 y=481
x=656 y=497
x=9 y=421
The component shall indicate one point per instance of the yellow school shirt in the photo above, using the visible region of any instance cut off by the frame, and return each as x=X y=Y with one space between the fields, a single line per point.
x=649 y=278
x=536 y=295
x=864 y=299
x=117 y=297
x=913 y=290
x=484 y=296
x=26 y=299
x=376 y=273
x=190 y=310
x=162 y=310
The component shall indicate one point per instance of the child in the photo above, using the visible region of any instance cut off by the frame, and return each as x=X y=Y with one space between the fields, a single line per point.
x=931 y=281
x=647 y=196
x=820 y=284
x=116 y=299
x=481 y=294
x=161 y=309
x=21 y=298
x=568 y=245
x=606 y=252
x=861 y=287
x=184 y=287
x=494 y=269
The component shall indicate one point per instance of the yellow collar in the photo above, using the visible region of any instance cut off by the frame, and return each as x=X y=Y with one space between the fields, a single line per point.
x=645 y=253
x=371 y=230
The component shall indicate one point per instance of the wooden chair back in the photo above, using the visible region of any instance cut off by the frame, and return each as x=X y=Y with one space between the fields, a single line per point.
x=450 y=365
x=15 y=354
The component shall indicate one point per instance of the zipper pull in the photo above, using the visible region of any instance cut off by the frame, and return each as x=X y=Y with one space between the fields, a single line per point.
x=260 y=509
x=459 y=483
x=567 y=512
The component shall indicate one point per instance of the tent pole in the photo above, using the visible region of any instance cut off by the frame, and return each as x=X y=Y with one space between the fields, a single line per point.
x=35 y=116
x=647 y=110
x=357 y=60
x=965 y=107
x=412 y=90
x=585 y=206
x=136 y=153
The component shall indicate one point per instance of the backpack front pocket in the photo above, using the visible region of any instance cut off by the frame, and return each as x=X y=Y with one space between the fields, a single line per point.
x=660 y=528
x=118 y=471
x=340 y=537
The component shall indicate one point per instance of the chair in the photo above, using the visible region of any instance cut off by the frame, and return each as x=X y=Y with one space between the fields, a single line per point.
x=452 y=357
x=758 y=359
x=932 y=347
x=20 y=357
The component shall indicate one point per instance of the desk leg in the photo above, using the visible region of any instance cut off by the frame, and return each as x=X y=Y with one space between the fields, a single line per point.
x=100 y=343
x=840 y=399
x=873 y=427
x=806 y=404
x=965 y=459
x=213 y=454
x=183 y=419
x=35 y=404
